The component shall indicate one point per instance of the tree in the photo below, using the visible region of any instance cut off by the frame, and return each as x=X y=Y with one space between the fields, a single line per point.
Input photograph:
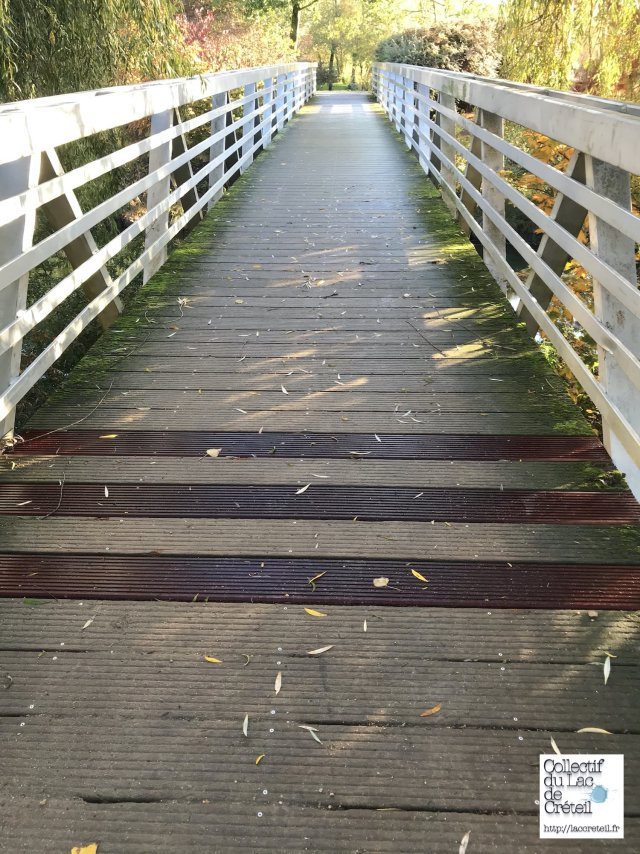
x=343 y=31
x=225 y=35
x=292 y=8
x=454 y=45
x=49 y=47
x=580 y=45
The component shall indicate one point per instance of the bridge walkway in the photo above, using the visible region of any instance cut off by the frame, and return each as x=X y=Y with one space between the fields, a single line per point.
x=319 y=409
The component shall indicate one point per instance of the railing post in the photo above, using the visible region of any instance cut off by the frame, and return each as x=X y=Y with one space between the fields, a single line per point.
x=158 y=156
x=247 y=127
x=297 y=91
x=15 y=238
x=217 y=149
x=618 y=251
x=404 y=118
x=396 y=106
x=280 y=100
x=475 y=179
x=62 y=211
x=423 y=145
x=495 y=161
x=571 y=216
x=448 y=173
x=267 y=108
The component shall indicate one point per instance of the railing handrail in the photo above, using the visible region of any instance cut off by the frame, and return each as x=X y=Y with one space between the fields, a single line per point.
x=605 y=137
x=577 y=123
x=33 y=125
x=32 y=179
x=579 y=98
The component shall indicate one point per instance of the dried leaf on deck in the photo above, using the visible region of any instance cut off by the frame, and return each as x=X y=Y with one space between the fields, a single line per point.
x=212 y=660
x=91 y=848
x=606 y=669
x=88 y=623
x=278 y=682
x=320 y=650
x=109 y=436
x=284 y=391
x=432 y=711
x=419 y=576
x=303 y=489
x=259 y=758
x=595 y=729
x=316 y=577
x=106 y=492
x=555 y=747
x=464 y=842
x=364 y=626
x=245 y=725
x=313 y=613
x=311 y=730
x=214 y=452
x=382 y=581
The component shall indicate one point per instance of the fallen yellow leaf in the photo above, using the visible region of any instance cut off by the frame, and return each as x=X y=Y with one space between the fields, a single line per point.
x=91 y=848
x=419 y=575
x=316 y=577
x=109 y=436
x=313 y=613
x=259 y=758
x=212 y=660
x=380 y=582
x=214 y=452
x=432 y=711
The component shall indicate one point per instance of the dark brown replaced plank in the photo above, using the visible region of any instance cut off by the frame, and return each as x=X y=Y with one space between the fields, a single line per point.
x=345 y=581
x=318 y=501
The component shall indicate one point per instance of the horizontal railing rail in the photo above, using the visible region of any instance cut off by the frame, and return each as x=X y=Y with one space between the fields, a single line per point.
x=455 y=123
x=179 y=164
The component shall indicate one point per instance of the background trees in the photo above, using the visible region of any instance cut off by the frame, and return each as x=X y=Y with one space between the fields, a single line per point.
x=53 y=46
x=581 y=45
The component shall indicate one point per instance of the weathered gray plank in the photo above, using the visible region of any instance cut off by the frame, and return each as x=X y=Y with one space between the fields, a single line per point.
x=410 y=541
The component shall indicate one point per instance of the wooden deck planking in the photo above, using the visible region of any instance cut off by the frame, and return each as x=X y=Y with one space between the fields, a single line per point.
x=127 y=730
x=134 y=740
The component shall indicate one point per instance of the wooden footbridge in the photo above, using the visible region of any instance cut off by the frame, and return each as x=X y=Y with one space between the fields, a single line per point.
x=321 y=404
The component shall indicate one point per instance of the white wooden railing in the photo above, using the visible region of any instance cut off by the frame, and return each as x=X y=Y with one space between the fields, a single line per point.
x=237 y=113
x=430 y=108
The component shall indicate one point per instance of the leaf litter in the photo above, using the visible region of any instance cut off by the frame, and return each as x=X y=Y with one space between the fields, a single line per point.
x=432 y=711
x=311 y=730
x=320 y=650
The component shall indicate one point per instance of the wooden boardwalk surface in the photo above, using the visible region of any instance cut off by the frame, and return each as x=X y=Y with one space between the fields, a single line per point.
x=376 y=411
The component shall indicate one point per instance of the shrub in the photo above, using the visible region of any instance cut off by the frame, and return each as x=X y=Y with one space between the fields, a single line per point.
x=455 y=46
